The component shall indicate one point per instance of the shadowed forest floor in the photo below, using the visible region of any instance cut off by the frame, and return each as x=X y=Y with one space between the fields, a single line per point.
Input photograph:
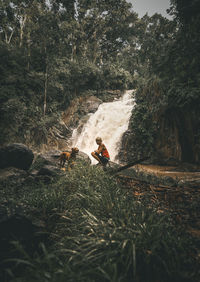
x=183 y=201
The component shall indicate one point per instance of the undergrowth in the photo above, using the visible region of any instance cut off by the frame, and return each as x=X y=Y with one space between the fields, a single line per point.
x=100 y=232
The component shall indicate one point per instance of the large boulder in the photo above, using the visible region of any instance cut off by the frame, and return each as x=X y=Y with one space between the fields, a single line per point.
x=49 y=170
x=47 y=158
x=46 y=165
x=83 y=157
x=51 y=158
x=16 y=155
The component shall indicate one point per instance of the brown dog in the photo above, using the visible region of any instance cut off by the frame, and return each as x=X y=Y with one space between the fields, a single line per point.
x=70 y=157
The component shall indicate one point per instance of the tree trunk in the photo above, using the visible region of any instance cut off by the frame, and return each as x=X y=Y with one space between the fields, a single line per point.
x=22 y=24
x=29 y=50
x=73 y=55
x=45 y=83
x=95 y=47
x=131 y=164
x=8 y=38
x=73 y=52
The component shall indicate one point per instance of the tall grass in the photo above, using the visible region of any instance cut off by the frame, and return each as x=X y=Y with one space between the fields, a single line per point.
x=102 y=233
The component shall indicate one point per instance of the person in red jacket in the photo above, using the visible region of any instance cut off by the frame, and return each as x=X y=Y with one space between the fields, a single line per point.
x=101 y=154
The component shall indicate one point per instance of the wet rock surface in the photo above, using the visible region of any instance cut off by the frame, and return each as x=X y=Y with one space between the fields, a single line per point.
x=90 y=105
x=78 y=108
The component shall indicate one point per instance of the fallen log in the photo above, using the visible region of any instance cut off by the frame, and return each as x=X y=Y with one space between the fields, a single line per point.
x=130 y=164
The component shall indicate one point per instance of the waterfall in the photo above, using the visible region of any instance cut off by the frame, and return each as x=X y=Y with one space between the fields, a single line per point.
x=109 y=122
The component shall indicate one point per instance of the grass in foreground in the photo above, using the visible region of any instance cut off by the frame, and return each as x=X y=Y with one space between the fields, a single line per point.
x=100 y=232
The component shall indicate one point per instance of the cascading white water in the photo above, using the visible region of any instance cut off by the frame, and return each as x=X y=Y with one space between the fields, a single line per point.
x=109 y=122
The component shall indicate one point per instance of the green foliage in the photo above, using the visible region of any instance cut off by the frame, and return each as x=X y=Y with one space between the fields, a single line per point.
x=101 y=232
x=53 y=53
x=144 y=120
x=168 y=57
x=115 y=77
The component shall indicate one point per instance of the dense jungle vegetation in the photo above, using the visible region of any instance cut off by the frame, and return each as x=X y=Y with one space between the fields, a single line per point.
x=53 y=51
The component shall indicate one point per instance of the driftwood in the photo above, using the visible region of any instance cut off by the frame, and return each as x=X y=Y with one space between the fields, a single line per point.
x=130 y=164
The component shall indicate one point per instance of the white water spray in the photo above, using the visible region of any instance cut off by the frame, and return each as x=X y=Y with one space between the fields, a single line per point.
x=109 y=122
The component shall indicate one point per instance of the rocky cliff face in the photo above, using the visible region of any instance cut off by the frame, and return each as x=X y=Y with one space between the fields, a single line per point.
x=78 y=108
x=176 y=138
x=177 y=135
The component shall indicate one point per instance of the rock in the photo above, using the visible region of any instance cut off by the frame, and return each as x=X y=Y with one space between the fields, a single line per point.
x=111 y=167
x=127 y=151
x=58 y=136
x=49 y=170
x=46 y=165
x=83 y=157
x=91 y=105
x=45 y=179
x=12 y=176
x=110 y=95
x=80 y=107
x=47 y=158
x=16 y=155
x=82 y=122
x=61 y=130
